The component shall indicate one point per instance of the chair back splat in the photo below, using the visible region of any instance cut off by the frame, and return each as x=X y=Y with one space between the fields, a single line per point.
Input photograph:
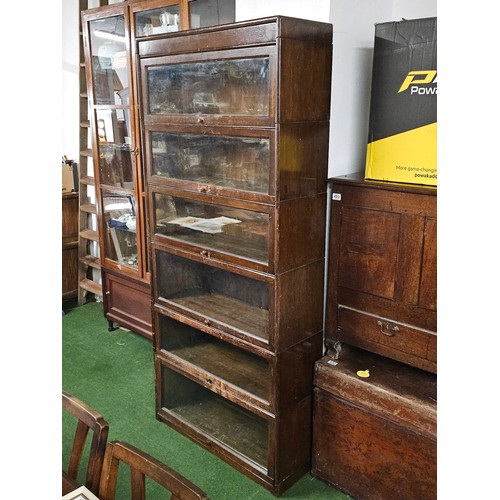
x=141 y=466
x=87 y=419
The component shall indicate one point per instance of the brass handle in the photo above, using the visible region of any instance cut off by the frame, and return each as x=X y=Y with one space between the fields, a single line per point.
x=108 y=293
x=204 y=253
x=203 y=189
x=201 y=120
x=206 y=321
x=388 y=328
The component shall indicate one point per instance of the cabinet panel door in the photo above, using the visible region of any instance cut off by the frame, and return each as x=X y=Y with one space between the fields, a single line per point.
x=369 y=251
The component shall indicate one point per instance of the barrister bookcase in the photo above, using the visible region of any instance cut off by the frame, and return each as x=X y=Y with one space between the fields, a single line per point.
x=235 y=129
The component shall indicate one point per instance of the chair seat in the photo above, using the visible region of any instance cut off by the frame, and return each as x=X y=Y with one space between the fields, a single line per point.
x=68 y=484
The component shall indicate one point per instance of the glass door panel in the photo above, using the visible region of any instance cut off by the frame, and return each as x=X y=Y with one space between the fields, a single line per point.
x=225 y=87
x=231 y=162
x=120 y=238
x=156 y=21
x=110 y=71
x=230 y=230
x=114 y=146
x=203 y=13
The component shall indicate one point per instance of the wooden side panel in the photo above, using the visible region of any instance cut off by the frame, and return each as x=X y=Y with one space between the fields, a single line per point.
x=428 y=282
x=310 y=64
x=128 y=303
x=69 y=245
x=300 y=233
x=369 y=457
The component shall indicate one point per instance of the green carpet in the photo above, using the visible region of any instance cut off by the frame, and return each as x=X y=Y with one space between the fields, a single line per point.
x=113 y=373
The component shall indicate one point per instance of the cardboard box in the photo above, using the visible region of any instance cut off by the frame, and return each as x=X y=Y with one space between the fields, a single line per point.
x=402 y=142
x=68 y=178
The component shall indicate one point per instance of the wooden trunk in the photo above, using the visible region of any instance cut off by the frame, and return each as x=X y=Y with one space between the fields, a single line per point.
x=374 y=437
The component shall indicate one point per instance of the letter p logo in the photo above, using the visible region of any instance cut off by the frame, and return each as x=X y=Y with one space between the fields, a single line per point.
x=412 y=77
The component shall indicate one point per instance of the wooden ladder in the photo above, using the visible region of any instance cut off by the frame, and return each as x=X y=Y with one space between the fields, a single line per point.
x=89 y=264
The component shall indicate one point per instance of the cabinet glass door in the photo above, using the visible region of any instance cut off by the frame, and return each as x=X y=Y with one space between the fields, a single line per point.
x=114 y=146
x=217 y=87
x=156 y=21
x=120 y=238
x=232 y=162
x=110 y=68
x=213 y=227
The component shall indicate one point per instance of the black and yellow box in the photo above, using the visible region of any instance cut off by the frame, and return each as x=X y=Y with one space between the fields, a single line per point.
x=402 y=142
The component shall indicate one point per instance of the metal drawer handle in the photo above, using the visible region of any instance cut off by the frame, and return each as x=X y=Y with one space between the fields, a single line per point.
x=388 y=328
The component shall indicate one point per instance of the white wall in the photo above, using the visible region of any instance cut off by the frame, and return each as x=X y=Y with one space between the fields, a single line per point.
x=353 y=35
x=315 y=10
x=70 y=80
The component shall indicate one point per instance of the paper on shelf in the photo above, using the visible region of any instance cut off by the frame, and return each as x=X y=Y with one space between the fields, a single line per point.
x=211 y=226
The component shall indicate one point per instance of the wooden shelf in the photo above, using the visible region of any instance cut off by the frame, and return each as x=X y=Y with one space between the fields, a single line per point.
x=89 y=234
x=88 y=208
x=240 y=315
x=88 y=181
x=91 y=261
x=91 y=286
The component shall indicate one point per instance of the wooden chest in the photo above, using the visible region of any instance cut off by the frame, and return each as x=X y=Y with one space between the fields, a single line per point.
x=374 y=437
x=382 y=270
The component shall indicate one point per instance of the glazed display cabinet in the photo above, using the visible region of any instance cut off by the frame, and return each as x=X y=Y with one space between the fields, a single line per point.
x=235 y=127
x=110 y=34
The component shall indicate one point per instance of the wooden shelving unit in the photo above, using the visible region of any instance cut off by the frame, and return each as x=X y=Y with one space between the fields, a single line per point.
x=89 y=266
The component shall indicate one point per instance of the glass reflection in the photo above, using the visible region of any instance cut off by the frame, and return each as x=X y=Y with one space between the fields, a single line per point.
x=232 y=162
x=156 y=21
x=115 y=154
x=109 y=60
x=234 y=231
x=229 y=87
x=120 y=225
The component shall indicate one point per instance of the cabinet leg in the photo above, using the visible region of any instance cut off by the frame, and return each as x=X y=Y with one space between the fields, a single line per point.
x=111 y=327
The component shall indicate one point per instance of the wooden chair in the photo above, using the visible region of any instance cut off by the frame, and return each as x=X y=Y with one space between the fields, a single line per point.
x=87 y=419
x=141 y=466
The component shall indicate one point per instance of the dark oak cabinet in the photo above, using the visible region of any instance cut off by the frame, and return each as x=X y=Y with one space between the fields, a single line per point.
x=375 y=394
x=382 y=292
x=69 y=217
x=235 y=125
